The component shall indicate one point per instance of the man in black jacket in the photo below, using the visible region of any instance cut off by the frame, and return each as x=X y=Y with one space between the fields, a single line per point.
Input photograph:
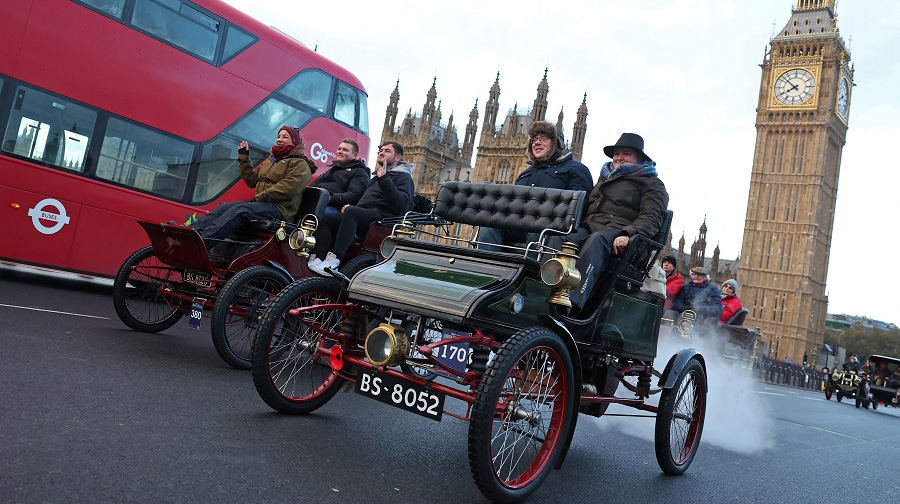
x=389 y=193
x=549 y=165
x=347 y=178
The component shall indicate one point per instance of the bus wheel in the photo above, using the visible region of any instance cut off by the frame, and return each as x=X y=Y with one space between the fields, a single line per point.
x=139 y=295
x=239 y=309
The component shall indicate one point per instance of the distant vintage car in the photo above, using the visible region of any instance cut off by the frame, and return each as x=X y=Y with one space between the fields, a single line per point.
x=882 y=386
x=843 y=383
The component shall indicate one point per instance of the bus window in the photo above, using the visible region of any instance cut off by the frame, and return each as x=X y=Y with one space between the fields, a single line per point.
x=179 y=24
x=363 y=114
x=345 y=104
x=112 y=7
x=144 y=159
x=310 y=87
x=261 y=125
x=236 y=40
x=219 y=168
x=49 y=129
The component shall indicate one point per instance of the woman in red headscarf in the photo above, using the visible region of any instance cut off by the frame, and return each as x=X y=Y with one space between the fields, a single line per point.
x=279 y=182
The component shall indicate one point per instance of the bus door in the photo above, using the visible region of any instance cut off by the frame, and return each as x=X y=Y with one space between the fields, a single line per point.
x=38 y=228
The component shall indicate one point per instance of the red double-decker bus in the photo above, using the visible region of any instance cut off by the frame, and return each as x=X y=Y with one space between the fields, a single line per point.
x=118 y=110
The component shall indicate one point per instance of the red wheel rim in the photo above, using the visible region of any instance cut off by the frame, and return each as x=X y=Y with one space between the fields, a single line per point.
x=687 y=418
x=529 y=417
x=298 y=372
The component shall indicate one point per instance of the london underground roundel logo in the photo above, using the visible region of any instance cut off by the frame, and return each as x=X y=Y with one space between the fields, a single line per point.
x=40 y=213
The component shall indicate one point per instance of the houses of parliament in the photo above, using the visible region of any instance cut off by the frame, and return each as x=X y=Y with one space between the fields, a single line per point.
x=802 y=117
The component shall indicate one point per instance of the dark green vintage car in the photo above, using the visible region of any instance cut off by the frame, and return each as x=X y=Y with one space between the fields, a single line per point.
x=495 y=330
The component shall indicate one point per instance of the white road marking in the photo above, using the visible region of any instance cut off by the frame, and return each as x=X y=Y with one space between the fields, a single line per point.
x=767 y=393
x=53 y=311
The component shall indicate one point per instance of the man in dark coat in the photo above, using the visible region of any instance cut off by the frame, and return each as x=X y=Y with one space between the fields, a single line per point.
x=389 y=193
x=347 y=178
x=549 y=165
x=700 y=296
x=629 y=199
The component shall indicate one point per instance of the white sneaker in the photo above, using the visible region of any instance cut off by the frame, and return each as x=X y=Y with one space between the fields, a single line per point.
x=330 y=262
x=318 y=265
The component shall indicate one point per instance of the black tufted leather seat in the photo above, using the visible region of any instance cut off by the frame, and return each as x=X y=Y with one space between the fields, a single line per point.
x=314 y=201
x=504 y=206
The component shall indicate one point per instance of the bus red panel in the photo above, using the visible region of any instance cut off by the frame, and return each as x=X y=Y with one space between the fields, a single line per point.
x=36 y=228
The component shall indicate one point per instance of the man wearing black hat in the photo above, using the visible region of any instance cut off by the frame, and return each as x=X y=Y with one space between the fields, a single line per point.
x=549 y=165
x=629 y=199
x=674 y=282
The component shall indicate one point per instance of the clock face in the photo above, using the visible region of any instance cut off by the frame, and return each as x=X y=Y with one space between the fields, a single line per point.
x=843 y=97
x=795 y=86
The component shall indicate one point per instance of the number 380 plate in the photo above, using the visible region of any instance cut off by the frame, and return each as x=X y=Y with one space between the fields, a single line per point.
x=402 y=394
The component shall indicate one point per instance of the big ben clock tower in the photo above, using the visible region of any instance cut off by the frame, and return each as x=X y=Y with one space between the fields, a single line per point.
x=801 y=124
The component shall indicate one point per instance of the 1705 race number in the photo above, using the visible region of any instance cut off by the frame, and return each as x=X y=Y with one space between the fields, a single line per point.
x=405 y=395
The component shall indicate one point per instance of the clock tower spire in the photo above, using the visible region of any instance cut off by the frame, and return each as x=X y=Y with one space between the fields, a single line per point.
x=801 y=124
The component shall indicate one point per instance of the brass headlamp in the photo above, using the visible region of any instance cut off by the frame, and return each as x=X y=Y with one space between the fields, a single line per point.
x=386 y=345
x=302 y=239
x=686 y=323
x=561 y=274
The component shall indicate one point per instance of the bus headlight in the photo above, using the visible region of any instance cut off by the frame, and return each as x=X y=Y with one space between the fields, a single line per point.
x=302 y=239
x=386 y=345
x=561 y=274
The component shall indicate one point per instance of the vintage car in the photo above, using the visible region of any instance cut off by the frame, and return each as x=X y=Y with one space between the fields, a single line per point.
x=843 y=383
x=882 y=385
x=231 y=282
x=493 y=330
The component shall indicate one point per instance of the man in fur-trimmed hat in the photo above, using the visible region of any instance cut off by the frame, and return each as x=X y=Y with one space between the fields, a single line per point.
x=549 y=165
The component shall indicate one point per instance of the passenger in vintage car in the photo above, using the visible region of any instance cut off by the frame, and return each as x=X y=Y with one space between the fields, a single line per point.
x=628 y=199
x=389 y=193
x=549 y=165
x=279 y=181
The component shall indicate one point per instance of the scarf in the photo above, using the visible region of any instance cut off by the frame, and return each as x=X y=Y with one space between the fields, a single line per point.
x=280 y=151
x=647 y=168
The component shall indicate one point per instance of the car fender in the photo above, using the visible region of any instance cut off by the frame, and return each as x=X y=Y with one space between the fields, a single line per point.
x=563 y=332
x=676 y=365
x=274 y=265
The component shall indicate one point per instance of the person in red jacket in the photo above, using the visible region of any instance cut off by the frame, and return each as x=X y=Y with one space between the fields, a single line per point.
x=674 y=282
x=730 y=302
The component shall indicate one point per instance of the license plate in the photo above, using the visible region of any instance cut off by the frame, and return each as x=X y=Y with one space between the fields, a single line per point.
x=402 y=394
x=198 y=278
x=454 y=355
x=196 y=313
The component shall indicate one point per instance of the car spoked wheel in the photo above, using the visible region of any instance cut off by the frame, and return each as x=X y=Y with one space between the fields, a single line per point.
x=828 y=392
x=522 y=415
x=239 y=310
x=679 y=421
x=138 y=292
x=290 y=372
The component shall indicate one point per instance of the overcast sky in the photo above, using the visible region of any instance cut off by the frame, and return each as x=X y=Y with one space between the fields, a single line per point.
x=683 y=73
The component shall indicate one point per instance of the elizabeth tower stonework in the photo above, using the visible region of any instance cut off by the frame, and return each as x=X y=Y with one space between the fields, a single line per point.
x=801 y=125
